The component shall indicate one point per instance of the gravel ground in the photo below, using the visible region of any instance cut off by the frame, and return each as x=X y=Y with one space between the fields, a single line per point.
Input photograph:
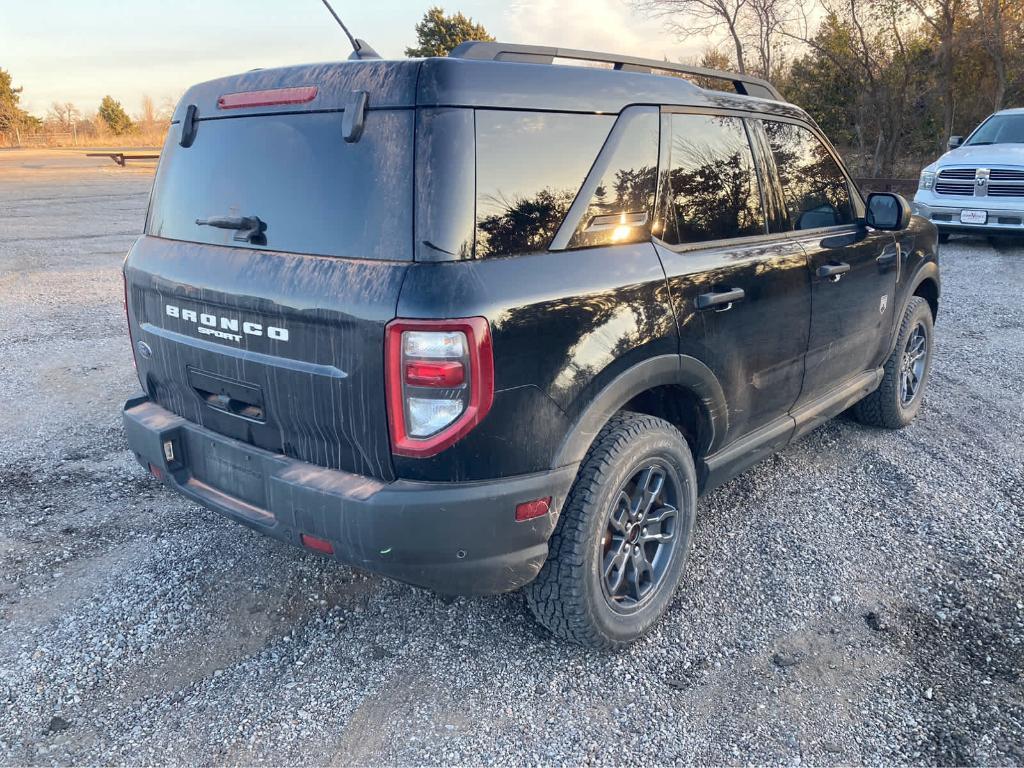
x=855 y=599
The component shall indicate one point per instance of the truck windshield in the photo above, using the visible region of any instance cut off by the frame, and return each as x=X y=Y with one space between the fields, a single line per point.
x=1000 y=129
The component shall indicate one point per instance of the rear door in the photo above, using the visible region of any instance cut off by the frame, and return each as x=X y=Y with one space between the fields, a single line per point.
x=741 y=296
x=852 y=268
x=272 y=333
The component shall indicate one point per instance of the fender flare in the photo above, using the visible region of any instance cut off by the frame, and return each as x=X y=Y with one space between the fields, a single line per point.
x=927 y=271
x=681 y=370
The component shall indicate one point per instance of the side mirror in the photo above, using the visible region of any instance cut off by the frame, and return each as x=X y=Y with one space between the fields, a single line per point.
x=954 y=142
x=888 y=211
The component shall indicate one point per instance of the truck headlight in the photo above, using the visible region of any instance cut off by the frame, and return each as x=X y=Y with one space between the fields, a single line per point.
x=927 y=180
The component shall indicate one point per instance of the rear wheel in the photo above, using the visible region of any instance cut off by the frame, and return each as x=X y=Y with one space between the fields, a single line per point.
x=623 y=537
x=898 y=398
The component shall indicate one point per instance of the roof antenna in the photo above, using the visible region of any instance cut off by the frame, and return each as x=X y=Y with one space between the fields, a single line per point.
x=360 y=48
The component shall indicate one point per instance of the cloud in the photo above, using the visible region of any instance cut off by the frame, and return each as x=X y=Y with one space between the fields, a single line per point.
x=604 y=25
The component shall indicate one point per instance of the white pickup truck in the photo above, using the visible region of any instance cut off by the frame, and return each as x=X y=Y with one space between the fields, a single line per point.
x=977 y=187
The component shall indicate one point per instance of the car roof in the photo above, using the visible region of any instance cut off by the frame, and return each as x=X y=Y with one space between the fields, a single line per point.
x=464 y=82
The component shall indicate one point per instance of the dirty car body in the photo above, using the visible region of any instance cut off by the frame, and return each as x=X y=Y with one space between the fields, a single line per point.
x=429 y=285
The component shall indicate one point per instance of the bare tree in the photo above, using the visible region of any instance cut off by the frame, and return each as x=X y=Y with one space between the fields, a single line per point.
x=992 y=28
x=690 y=18
x=762 y=28
x=64 y=115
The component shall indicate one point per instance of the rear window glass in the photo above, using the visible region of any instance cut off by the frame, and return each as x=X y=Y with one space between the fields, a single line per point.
x=315 y=193
x=712 y=186
x=530 y=165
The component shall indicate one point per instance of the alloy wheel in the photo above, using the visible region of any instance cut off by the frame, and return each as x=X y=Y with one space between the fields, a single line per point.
x=640 y=536
x=912 y=365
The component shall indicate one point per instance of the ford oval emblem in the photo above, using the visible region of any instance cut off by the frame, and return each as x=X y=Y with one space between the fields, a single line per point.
x=145 y=350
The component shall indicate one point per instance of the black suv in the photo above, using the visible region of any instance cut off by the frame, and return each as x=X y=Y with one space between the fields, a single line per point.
x=484 y=321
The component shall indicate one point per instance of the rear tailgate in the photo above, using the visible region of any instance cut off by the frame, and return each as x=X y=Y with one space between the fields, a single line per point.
x=277 y=339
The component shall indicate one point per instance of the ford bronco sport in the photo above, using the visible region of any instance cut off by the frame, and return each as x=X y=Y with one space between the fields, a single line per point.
x=487 y=321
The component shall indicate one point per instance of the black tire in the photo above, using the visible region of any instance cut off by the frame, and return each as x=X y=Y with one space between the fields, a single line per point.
x=943 y=237
x=571 y=595
x=887 y=406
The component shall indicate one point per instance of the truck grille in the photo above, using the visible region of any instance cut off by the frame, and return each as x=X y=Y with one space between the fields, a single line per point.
x=960 y=182
x=1004 y=183
x=955 y=181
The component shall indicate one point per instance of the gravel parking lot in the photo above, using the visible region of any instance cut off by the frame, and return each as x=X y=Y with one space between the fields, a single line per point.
x=858 y=598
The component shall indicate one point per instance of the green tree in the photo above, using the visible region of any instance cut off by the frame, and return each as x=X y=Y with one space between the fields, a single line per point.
x=11 y=115
x=437 y=34
x=113 y=114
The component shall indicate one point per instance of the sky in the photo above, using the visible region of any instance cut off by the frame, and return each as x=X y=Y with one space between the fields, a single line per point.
x=80 y=50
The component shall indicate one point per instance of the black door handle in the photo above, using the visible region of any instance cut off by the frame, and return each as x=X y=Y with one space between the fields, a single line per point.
x=833 y=270
x=720 y=300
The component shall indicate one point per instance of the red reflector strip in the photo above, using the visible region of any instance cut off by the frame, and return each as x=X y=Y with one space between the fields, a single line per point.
x=267 y=98
x=156 y=472
x=316 y=544
x=531 y=509
x=423 y=374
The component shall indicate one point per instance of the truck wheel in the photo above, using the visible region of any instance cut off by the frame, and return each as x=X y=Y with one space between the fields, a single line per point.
x=898 y=398
x=618 y=551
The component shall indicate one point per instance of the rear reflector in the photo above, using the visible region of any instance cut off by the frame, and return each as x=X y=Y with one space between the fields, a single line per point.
x=268 y=98
x=156 y=472
x=316 y=544
x=531 y=509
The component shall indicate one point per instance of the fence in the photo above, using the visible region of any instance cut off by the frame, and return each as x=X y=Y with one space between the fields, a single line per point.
x=905 y=187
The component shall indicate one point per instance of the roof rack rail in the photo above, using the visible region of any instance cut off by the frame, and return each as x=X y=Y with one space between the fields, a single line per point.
x=745 y=85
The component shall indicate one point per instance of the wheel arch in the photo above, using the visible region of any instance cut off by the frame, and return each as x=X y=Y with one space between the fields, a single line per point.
x=679 y=388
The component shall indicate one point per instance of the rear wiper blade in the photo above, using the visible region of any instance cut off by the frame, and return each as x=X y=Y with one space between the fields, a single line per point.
x=250 y=228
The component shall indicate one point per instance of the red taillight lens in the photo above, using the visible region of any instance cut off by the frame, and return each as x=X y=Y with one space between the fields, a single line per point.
x=267 y=98
x=440 y=382
x=420 y=373
x=531 y=509
x=316 y=544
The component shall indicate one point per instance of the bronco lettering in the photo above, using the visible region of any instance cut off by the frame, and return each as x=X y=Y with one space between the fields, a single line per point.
x=225 y=327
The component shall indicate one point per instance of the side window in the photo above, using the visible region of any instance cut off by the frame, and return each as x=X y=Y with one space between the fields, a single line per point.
x=621 y=201
x=815 y=188
x=711 y=186
x=530 y=165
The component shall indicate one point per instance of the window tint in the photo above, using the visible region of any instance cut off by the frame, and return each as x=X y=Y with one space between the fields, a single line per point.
x=315 y=193
x=530 y=165
x=712 y=186
x=621 y=206
x=815 y=188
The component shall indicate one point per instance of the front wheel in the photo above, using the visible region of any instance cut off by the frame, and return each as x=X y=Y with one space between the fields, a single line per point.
x=898 y=398
x=623 y=537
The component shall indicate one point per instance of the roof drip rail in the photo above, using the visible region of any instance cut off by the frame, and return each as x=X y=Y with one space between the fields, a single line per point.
x=745 y=85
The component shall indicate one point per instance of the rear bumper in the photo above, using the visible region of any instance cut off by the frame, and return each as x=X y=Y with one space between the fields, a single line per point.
x=1004 y=216
x=459 y=538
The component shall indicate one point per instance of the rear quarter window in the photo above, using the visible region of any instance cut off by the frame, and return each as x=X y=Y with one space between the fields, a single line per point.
x=530 y=166
x=316 y=193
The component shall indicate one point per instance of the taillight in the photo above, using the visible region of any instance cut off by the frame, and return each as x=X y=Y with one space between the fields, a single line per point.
x=440 y=382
